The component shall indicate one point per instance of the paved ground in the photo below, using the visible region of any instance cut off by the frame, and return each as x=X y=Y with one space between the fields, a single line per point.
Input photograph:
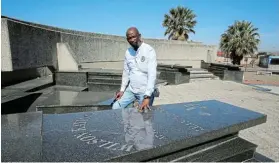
x=265 y=135
x=253 y=78
x=273 y=89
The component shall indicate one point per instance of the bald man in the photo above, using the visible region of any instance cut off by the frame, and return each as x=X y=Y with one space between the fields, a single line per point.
x=139 y=74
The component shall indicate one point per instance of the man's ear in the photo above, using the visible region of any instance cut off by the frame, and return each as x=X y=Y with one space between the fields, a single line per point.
x=140 y=37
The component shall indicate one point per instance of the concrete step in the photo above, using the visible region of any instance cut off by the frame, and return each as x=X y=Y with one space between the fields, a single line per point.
x=196 y=69
x=105 y=73
x=202 y=79
x=207 y=75
x=104 y=76
x=216 y=68
x=105 y=80
x=199 y=72
x=103 y=86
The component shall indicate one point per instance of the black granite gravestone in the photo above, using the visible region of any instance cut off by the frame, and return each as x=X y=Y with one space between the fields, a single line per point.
x=21 y=139
x=69 y=101
x=174 y=74
x=176 y=132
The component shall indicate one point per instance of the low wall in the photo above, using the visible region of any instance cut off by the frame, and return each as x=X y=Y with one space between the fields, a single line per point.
x=119 y=64
x=29 y=45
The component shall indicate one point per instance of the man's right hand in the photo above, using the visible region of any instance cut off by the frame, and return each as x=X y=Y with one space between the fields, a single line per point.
x=119 y=95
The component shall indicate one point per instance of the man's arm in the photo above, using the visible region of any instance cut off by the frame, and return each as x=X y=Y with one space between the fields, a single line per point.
x=152 y=73
x=125 y=76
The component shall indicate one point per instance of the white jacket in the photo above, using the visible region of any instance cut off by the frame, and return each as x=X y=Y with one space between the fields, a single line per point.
x=140 y=68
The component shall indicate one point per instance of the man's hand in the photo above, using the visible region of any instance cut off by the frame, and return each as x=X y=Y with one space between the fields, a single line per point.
x=145 y=104
x=119 y=95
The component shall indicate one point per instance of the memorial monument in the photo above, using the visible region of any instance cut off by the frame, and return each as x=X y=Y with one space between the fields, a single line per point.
x=195 y=131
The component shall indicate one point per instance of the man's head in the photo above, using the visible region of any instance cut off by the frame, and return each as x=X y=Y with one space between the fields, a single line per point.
x=133 y=37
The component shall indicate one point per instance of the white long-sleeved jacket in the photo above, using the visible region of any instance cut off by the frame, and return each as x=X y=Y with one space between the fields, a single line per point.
x=140 y=68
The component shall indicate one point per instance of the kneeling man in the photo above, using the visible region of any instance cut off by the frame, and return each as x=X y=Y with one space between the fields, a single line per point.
x=139 y=74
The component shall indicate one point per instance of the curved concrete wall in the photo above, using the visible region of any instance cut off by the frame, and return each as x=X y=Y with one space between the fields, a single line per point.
x=29 y=45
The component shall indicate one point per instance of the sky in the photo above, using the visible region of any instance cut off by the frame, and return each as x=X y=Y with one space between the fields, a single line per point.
x=115 y=16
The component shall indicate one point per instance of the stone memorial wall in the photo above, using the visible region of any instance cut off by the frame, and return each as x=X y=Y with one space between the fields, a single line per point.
x=30 y=45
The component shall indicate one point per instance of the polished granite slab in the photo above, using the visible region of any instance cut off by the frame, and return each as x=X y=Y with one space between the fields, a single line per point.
x=31 y=84
x=71 y=78
x=70 y=98
x=128 y=135
x=173 y=66
x=21 y=139
x=230 y=147
x=19 y=103
x=64 y=88
x=28 y=101
x=9 y=92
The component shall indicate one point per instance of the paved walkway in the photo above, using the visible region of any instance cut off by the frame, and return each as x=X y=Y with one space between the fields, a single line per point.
x=253 y=78
x=266 y=135
x=261 y=82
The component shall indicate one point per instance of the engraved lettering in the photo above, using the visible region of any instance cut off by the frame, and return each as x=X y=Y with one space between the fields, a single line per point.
x=81 y=135
x=196 y=128
x=78 y=124
x=190 y=108
x=101 y=141
x=112 y=146
x=188 y=123
x=88 y=138
x=80 y=120
x=93 y=141
x=79 y=129
x=129 y=147
x=105 y=144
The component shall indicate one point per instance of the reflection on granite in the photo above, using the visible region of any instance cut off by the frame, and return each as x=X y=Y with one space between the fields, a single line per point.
x=21 y=137
x=63 y=88
x=20 y=103
x=106 y=102
x=31 y=84
x=72 y=109
x=127 y=135
x=69 y=98
x=138 y=129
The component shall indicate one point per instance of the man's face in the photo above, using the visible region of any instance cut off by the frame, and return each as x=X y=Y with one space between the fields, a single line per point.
x=133 y=38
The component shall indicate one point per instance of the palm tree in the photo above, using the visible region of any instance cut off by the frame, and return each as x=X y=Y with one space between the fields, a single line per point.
x=179 y=23
x=239 y=40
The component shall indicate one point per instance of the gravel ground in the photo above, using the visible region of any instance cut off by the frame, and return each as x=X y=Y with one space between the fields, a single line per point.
x=266 y=135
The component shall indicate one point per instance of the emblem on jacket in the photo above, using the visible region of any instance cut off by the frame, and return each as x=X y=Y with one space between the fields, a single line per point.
x=142 y=59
